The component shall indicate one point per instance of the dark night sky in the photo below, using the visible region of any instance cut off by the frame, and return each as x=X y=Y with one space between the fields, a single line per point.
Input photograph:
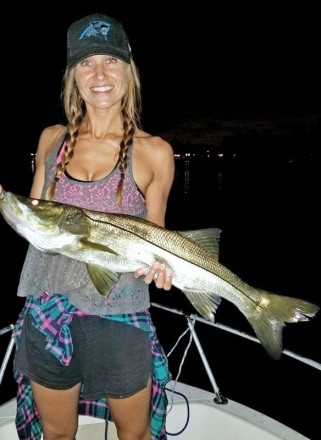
x=253 y=69
x=226 y=61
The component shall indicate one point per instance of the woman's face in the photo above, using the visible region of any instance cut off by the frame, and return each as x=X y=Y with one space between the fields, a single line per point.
x=101 y=80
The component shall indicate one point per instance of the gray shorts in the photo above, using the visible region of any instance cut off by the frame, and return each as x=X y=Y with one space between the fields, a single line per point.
x=111 y=358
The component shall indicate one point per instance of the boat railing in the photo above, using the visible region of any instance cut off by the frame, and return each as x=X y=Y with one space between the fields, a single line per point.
x=192 y=318
x=9 y=350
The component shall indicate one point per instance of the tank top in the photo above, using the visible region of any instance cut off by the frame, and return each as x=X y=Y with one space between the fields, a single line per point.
x=44 y=272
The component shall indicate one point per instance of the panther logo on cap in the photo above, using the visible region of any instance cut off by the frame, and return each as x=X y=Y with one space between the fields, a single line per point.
x=95 y=29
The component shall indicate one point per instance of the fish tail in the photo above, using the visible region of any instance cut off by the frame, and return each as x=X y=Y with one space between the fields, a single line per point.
x=270 y=315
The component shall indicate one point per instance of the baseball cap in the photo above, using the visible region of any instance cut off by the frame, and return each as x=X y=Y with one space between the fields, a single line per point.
x=97 y=34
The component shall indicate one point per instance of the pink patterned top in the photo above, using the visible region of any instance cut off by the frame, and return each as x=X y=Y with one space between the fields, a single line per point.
x=99 y=195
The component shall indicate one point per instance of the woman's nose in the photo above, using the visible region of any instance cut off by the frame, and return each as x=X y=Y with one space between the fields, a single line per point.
x=100 y=71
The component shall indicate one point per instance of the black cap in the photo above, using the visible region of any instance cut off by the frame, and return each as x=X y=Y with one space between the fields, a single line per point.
x=97 y=34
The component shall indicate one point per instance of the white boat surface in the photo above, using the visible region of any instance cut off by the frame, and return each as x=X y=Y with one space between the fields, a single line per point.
x=193 y=413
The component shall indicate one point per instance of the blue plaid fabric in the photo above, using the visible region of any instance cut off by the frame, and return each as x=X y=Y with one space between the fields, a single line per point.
x=52 y=315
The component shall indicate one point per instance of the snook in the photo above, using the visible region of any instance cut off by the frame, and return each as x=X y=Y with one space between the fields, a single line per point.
x=110 y=244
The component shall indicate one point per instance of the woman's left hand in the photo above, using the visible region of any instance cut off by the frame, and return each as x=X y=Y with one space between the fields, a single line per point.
x=158 y=273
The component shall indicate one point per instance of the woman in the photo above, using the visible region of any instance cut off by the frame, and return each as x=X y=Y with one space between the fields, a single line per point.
x=78 y=352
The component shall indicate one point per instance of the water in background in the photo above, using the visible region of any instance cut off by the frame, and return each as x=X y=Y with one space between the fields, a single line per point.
x=265 y=197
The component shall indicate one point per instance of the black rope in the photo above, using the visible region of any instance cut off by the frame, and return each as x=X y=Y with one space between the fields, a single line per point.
x=106 y=430
x=188 y=413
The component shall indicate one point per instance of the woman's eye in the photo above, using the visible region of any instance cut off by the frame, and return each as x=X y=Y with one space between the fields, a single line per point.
x=111 y=60
x=85 y=63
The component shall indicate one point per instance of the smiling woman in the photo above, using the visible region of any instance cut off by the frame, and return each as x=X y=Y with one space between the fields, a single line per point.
x=100 y=160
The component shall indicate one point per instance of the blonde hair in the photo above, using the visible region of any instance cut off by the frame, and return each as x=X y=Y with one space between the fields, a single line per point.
x=75 y=111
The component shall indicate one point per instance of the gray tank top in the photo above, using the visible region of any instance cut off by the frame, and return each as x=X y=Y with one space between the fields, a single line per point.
x=44 y=272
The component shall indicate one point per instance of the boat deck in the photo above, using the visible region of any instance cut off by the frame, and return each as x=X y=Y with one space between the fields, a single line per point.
x=193 y=415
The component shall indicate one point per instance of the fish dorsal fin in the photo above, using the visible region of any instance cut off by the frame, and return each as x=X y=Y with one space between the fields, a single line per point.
x=208 y=238
x=103 y=279
x=205 y=303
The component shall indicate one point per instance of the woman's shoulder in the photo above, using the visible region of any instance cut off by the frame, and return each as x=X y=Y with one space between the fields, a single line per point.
x=151 y=144
x=50 y=136
x=52 y=133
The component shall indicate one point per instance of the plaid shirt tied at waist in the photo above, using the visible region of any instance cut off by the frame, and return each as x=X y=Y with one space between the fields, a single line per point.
x=52 y=315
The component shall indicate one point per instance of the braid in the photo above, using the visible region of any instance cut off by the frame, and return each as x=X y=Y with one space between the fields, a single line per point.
x=70 y=141
x=131 y=110
x=128 y=139
x=74 y=109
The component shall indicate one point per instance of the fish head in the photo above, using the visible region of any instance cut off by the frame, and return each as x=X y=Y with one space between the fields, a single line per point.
x=45 y=224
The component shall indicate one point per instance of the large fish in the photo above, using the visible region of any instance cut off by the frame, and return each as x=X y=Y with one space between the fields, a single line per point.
x=110 y=244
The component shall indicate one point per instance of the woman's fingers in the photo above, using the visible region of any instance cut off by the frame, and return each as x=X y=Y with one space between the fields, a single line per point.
x=158 y=273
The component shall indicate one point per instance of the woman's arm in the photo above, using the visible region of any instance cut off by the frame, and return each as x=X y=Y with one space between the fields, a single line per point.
x=156 y=198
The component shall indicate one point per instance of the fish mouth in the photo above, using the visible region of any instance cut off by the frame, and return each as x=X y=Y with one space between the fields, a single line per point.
x=33 y=224
x=12 y=210
x=18 y=212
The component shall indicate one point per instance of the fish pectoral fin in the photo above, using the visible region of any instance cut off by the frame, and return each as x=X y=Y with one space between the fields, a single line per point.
x=90 y=245
x=205 y=303
x=209 y=238
x=103 y=279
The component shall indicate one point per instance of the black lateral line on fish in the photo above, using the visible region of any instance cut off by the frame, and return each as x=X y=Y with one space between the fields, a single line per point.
x=235 y=285
x=151 y=242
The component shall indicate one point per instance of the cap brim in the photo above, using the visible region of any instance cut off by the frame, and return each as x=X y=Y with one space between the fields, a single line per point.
x=97 y=50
